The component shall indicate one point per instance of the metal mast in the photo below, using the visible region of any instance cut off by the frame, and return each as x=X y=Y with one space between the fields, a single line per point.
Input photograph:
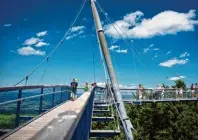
x=123 y=115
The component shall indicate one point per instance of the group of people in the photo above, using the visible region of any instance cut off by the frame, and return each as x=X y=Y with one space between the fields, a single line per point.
x=74 y=86
x=160 y=91
x=194 y=89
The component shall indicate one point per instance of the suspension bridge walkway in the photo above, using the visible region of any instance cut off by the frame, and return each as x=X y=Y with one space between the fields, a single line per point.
x=46 y=112
x=42 y=112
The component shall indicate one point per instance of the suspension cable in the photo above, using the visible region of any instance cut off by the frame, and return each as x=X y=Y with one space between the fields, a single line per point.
x=126 y=42
x=93 y=62
x=58 y=45
x=44 y=72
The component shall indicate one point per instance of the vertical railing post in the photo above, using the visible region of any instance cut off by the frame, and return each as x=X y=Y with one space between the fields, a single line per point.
x=17 y=120
x=61 y=95
x=152 y=93
x=53 y=97
x=41 y=102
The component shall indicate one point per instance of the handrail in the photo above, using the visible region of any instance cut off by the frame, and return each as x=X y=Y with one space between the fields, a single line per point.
x=31 y=97
x=12 y=88
x=67 y=116
x=153 y=89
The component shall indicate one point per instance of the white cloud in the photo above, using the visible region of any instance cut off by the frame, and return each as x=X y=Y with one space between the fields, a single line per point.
x=77 y=28
x=75 y=31
x=176 y=78
x=173 y=62
x=156 y=49
x=168 y=52
x=32 y=41
x=121 y=51
x=127 y=87
x=113 y=47
x=7 y=25
x=146 y=50
x=185 y=54
x=43 y=33
x=102 y=84
x=29 y=51
x=156 y=55
x=40 y=44
x=167 y=22
x=68 y=37
x=151 y=45
x=117 y=49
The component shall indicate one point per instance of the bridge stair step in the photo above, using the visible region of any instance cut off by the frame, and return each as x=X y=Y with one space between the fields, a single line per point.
x=98 y=119
x=100 y=111
x=104 y=133
x=101 y=103
x=101 y=106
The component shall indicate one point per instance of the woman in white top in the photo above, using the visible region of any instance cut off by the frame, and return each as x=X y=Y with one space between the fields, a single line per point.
x=181 y=92
x=140 y=91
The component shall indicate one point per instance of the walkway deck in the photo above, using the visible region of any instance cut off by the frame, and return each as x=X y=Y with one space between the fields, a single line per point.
x=58 y=123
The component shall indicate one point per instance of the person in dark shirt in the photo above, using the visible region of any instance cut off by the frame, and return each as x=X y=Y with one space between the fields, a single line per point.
x=74 y=85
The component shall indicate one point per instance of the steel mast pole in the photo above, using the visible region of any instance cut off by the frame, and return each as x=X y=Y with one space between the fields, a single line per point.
x=126 y=121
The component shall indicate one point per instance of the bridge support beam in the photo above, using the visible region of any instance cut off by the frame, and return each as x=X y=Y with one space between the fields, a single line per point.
x=41 y=102
x=125 y=120
x=17 y=120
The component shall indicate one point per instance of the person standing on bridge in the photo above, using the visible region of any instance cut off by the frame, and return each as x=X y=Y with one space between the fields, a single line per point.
x=86 y=87
x=192 y=90
x=140 y=91
x=74 y=85
x=196 y=90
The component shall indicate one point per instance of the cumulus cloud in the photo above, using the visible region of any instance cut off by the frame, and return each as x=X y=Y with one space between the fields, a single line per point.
x=7 y=25
x=146 y=50
x=149 y=48
x=176 y=78
x=113 y=47
x=43 y=33
x=121 y=51
x=75 y=31
x=117 y=49
x=29 y=51
x=168 y=52
x=151 y=45
x=185 y=54
x=77 y=28
x=31 y=41
x=173 y=62
x=156 y=49
x=101 y=84
x=41 y=44
x=167 y=22
x=132 y=86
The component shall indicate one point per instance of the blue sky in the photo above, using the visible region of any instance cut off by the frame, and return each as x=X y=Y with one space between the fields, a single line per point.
x=163 y=35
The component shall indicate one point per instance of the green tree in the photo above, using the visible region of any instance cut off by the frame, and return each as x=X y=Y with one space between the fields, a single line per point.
x=180 y=84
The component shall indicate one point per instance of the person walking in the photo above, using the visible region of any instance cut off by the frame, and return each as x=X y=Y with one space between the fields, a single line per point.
x=74 y=85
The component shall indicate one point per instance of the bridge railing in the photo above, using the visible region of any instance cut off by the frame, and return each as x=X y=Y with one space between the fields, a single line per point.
x=19 y=104
x=157 y=94
x=69 y=120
